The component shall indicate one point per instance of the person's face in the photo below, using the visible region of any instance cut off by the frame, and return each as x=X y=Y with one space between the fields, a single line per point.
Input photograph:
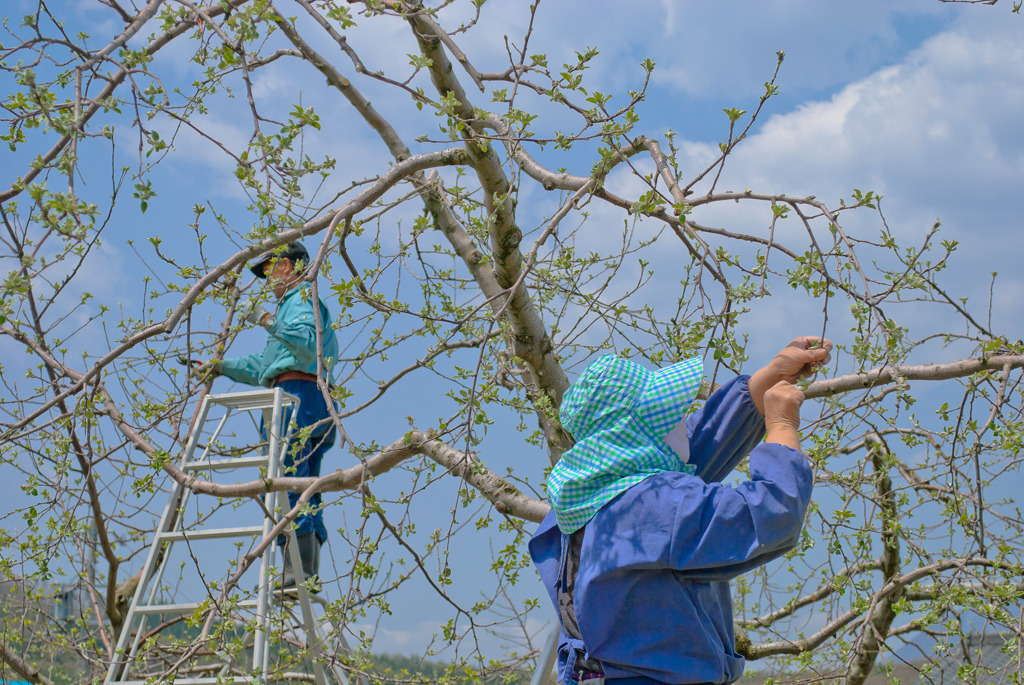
x=278 y=274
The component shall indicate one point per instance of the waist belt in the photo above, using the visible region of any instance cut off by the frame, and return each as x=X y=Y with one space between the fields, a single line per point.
x=293 y=376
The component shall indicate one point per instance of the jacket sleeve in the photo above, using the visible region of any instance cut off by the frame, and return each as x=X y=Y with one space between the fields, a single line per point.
x=735 y=529
x=546 y=552
x=245 y=369
x=724 y=430
x=707 y=531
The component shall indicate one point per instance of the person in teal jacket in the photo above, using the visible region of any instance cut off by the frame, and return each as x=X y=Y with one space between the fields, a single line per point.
x=290 y=361
x=643 y=537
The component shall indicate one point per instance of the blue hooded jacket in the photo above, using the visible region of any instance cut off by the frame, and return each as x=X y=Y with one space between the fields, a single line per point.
x=652 y=595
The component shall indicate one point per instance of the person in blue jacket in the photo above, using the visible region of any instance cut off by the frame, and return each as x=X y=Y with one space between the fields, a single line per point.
x=289 y=361
x=643 y=537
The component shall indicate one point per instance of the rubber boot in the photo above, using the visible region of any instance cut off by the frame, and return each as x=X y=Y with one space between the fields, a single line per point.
x=309 y=554
x=288 y=582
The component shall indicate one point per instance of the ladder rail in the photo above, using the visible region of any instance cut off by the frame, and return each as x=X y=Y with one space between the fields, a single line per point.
x=312 y=636
x=187 y=454
x=276 y=504
x=276 y=444
x=547 y=657
x=336 y=670
x=122 y=658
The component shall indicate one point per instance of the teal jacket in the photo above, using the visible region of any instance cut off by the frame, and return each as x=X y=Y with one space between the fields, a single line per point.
x=291 y=343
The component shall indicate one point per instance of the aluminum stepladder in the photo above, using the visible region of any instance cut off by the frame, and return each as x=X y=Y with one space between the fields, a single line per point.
x=130 y=652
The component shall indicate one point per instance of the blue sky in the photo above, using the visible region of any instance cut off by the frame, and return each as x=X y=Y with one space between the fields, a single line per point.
x=915 y=99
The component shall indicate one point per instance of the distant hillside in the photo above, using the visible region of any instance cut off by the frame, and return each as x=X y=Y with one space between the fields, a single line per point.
x=397 y=668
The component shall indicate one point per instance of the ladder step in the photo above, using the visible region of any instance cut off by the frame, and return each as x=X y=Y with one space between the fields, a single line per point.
x=252 y=399
x=187 y=608
x=211 y=533
x=222 y=464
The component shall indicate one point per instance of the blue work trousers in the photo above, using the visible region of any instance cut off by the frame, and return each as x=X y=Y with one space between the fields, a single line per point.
x=304 y=460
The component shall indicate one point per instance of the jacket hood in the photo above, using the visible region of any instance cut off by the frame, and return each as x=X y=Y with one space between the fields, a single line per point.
x=629 y=424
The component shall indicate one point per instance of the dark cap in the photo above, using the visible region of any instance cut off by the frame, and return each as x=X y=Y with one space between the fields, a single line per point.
x=293 y=251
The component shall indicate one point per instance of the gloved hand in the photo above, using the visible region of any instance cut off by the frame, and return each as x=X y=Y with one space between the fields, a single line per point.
x=204 y=370
x=256 y=314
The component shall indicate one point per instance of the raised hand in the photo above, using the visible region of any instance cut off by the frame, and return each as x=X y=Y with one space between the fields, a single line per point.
x=782 y=414
x=798 y=359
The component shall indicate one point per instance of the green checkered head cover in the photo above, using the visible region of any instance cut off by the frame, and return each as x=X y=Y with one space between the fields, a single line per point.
x=629 y=424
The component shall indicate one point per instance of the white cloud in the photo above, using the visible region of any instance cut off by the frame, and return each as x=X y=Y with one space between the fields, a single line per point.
x=935 y=135
x=669 y=8
x=944 y=109
x=413 y=639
